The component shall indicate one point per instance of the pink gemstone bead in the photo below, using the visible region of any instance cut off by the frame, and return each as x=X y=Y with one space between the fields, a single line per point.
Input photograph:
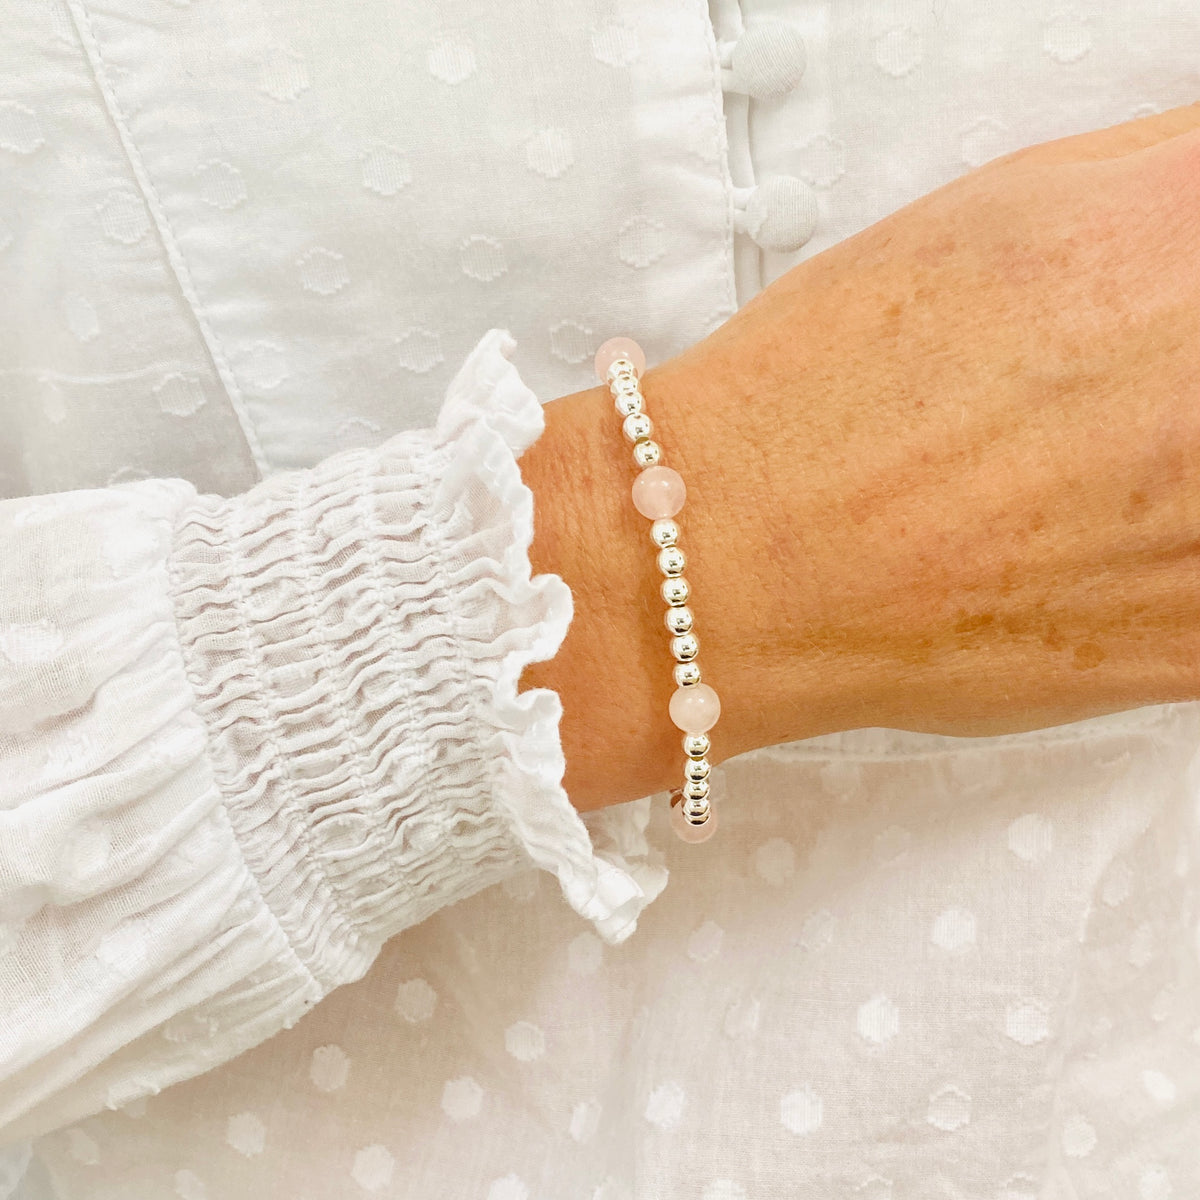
x=619 y=347
x=692 y=833
x=659 y=492
x=695 y=709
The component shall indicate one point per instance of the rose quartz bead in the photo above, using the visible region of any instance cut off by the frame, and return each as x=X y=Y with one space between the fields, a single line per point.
x=659 y=492
x=692 y=833
x=695 y=709
x=619 y=347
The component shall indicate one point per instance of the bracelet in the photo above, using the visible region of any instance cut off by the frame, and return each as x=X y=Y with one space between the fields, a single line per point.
x=658 y=494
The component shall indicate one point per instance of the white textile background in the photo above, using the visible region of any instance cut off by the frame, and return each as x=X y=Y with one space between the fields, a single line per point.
x=236 y=235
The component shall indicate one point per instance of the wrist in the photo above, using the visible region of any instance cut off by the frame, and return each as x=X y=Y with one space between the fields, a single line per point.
x=609 y=672
x=751 y=558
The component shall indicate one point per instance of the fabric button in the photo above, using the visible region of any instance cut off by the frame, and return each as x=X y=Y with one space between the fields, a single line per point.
x=766 y=62
x=779 y=214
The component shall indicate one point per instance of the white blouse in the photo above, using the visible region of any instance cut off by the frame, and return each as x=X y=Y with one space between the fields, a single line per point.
x=285 y=287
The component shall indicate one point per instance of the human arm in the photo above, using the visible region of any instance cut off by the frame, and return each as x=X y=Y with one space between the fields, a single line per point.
x=245 y=741
x=865 y=479
x=938 y=477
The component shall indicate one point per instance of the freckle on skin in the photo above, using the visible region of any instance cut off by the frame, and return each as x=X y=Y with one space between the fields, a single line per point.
x=920 y=652
x=1137 y=506
x=973 y=623
x=858 y=508
x=1087 y=656
x=936 y=251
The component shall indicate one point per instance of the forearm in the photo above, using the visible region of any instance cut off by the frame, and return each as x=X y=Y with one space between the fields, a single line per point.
x=612 y=671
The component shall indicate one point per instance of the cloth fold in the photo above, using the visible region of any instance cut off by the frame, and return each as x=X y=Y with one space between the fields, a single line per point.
x=245 y=741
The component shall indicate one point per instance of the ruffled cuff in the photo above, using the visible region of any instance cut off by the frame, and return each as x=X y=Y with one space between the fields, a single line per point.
x=355 y=634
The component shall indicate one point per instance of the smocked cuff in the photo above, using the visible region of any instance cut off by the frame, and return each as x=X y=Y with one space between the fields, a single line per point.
x=355 y=634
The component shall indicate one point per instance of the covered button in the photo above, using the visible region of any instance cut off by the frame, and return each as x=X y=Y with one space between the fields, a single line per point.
x=766 y=62
x=779 y=214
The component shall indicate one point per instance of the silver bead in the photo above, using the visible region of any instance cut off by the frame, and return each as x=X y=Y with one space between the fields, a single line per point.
x=624 y=384
x=685 y=648
x=671 y=560
x=637 y=426
x=675 y=591
x=696 y=768
x=696 y=811
x=664 y=532
x=687 y=674
x=628 y=403
x=678 y=620
x=695 y=789
x=695 y=745
x=646 y=453
x=620 y=367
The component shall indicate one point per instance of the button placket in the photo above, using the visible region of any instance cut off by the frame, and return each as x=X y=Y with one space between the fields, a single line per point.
x=763 y=63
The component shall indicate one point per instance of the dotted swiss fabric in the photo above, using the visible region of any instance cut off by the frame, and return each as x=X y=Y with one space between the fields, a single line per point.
x=238 y=237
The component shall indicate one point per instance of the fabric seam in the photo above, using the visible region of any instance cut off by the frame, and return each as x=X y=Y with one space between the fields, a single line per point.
x=718 y=118
x=99 y=69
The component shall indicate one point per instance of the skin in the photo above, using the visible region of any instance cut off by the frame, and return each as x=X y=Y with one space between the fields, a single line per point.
x=940 y=477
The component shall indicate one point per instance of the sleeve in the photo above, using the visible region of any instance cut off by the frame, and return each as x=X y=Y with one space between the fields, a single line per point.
x=245 y=741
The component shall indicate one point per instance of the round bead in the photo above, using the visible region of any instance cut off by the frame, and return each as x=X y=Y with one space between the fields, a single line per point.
x=695 y=709
x=695 y=789
x=658 y=492
x=678 y=620
x=618 y=348
x=646 y=453
x=628 y=403
x=675 y=591
x=671 y=561
x=622 y=369
x=684 y=828
x=696 y=768
x=637 y=426
x=685 y=648
x=687 y=674
x=664 y=532
x=695 y=745
x=626 y=384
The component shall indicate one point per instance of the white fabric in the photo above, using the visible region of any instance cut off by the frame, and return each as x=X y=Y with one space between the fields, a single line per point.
x=247 y=741
x=234 y=236
x=908 y=966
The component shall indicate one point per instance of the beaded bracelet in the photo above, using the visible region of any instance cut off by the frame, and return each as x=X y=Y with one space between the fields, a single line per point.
x=658 y=494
